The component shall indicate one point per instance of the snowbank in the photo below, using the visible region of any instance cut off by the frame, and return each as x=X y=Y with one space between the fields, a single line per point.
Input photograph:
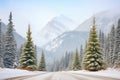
x=9 y=73
x=113 y=73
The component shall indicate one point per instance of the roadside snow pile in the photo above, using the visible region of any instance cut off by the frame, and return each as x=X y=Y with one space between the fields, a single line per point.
x=9 y=73
x=113 y=73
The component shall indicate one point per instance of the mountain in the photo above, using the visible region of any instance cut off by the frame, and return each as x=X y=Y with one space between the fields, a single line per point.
x=67 y=41
x=54 y=28
x=104 y=21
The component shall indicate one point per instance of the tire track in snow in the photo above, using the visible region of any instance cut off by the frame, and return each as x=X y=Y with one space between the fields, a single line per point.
x=63 y=76
x=21 y=77
x=47 y=76
x=76 y=77
x=95 y=77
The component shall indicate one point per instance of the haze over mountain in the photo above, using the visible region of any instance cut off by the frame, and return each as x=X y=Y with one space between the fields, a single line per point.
x=104 y=21
x=60 y=34
x=54 y=28
x=69 y=41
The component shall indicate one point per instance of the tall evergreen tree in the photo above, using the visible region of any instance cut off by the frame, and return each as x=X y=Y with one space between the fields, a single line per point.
x=42 y=65
x=85 y=48
x=107 y=49
x=100 y=34
x=10 y=46
x=81 y=55
x=102 y=43
x=28 y=60
x=20 y=51
x=65 y=63
x=112 y=46
x=93 y=60
x=101 y=38
x=1 y=46
x=117 y=46
x=36 y=53
x=66 y=60
x=76 y=61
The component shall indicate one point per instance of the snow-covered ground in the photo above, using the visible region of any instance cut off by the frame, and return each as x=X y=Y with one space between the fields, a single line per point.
x=9 y=73
x=109 y=74
x=113 y=73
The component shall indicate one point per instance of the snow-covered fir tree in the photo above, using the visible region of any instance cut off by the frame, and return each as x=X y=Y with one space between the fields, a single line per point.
x=85 y=48
x=84 y=51
x=102 y=42
x=100 y=35
x=107 y=49
x=35 y=52
x=20 y=51
x=93 y=59
x=1 y=46
x=28 y=59
x=55 y=66
x=68 y=60
x=81 y=55
x=117 y=46
x=10 y=53
x=112 y=46
x=65 y=63
x=42 y=65
x=76 y=61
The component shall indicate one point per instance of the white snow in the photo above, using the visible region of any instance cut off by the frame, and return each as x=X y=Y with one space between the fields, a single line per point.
x=54 y=28
x=79 y=75
x=113 y=73
x=9 y=73
x=104 y=21
x=55 y=45
x=43 y=77
x=63 y=75
x=68 y=41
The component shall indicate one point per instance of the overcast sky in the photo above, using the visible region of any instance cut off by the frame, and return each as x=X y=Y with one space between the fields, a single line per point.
x=39 y=12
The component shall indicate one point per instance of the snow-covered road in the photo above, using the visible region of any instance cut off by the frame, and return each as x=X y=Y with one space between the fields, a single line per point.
x=17 y=74
x=64 y=76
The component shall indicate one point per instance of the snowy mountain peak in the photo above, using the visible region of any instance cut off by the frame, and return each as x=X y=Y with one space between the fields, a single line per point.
x=54 y=28
x=104 y=21
x=63 y=19
x=69 y=41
